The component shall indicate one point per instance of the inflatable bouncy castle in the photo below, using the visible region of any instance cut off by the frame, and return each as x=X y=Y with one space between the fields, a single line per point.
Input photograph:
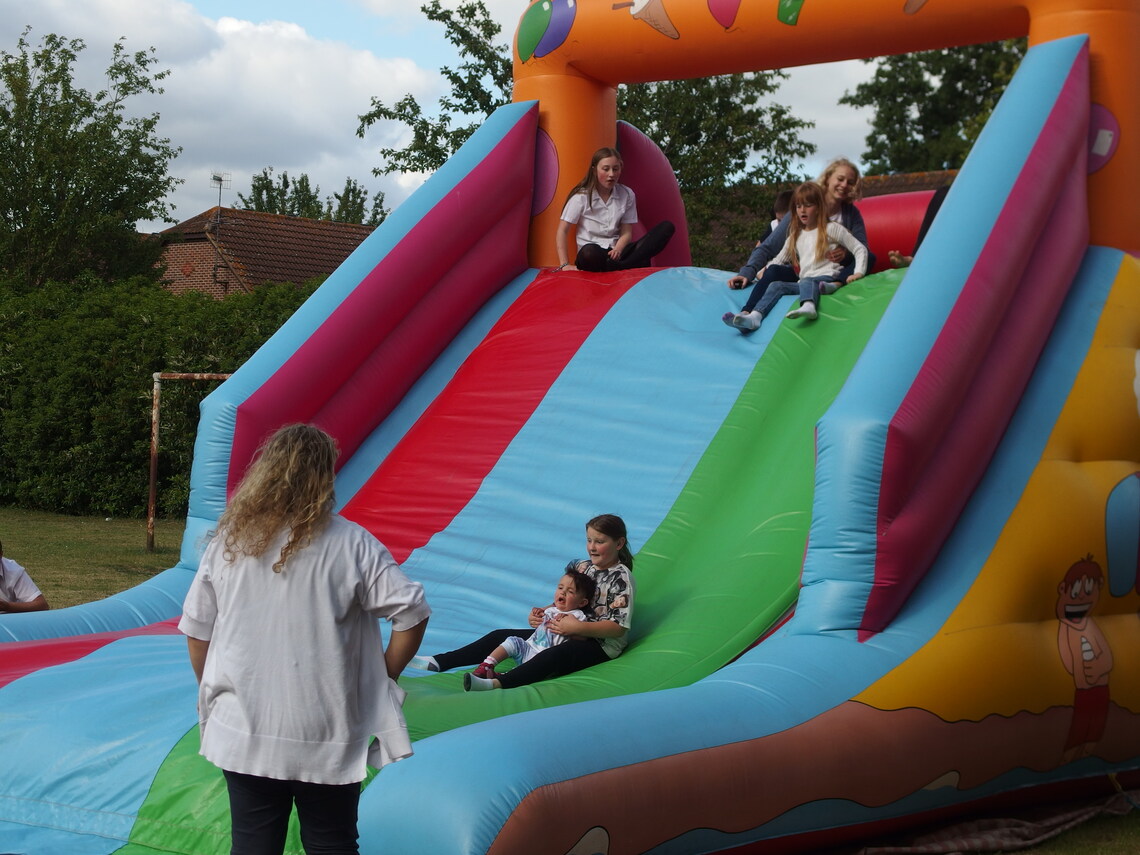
x=887 y=562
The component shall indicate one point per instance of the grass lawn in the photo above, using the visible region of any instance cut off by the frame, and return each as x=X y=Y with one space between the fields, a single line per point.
x=78 y=559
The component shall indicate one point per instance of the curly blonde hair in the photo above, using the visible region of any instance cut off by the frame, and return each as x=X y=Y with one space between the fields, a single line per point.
x=289 y=485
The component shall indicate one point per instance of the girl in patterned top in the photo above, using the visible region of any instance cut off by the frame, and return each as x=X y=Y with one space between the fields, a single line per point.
x=590 y=642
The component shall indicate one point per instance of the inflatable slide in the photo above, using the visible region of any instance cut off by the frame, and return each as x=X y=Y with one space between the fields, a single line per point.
x=887 y=562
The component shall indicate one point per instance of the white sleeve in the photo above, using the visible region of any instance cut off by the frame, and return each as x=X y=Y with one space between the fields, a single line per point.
x=841 y=235
x=574 y=208
x=388 y=593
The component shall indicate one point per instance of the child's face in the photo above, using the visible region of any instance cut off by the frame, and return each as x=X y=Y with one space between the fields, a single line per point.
x=566 y=596
x=603 y=549
x=808 y=213
x=841 y=184
x=607 y=172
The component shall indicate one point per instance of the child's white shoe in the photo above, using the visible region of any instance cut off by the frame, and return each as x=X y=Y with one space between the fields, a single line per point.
x=424 y=663
x=806 y=310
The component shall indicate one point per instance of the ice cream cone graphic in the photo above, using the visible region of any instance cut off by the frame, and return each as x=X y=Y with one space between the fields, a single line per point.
x=653 y=13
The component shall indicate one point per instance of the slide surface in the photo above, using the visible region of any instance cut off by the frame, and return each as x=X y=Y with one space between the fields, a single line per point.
x=917 y=474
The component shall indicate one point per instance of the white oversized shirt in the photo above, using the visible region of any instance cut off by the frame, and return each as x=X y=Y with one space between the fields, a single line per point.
x=600 y=222
x=16 y=586
x=295 y=685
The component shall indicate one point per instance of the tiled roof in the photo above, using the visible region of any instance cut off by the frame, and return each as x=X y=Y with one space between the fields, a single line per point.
x=226 y=250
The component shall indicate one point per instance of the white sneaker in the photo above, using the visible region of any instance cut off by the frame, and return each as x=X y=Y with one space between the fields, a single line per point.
x=471 y=683
x=806 y=310
x=748 y=320
x=424 y=663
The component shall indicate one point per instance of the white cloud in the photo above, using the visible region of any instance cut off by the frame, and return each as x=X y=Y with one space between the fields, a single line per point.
x=243 y=95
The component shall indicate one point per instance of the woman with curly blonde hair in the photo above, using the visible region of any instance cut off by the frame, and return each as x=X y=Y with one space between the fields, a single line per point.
x=297 y=693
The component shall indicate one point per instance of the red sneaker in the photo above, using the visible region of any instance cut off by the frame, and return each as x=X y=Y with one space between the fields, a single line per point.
x=487 y=672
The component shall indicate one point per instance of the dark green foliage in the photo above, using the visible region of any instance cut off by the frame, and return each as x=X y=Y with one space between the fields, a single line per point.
x=480 y=86
x=718 y=136
x=931 y=106
x=298 y=198
x=76 y=171
x=76 y=368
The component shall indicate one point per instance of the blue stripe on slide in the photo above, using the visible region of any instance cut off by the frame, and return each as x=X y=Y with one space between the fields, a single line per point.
x=92 y=735
x=639 y=396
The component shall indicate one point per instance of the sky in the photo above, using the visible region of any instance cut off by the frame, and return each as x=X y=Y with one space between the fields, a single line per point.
x=282 y=83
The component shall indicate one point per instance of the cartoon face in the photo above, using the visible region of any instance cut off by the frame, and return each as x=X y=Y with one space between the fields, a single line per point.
x=1079 y=592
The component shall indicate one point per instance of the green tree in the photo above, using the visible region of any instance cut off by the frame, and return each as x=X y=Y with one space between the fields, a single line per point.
x=351 y=205
x=929 y=107
x=481 y=84
x=718 y=134
x=298 y=198
x=76 y=172
x=293 y=198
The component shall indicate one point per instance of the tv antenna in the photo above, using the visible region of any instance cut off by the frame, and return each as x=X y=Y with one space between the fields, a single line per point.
x=221 y=180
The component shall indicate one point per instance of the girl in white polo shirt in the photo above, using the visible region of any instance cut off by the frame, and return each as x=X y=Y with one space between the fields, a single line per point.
x=604 y=211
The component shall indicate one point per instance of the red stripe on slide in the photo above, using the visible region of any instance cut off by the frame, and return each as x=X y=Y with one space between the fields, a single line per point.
x=438 y=466
x=20 y=658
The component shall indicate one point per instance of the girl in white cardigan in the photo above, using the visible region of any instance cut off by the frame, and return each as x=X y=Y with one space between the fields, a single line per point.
x=810 y=237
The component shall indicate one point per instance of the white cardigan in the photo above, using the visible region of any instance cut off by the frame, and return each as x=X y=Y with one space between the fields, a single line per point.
x=295 y=685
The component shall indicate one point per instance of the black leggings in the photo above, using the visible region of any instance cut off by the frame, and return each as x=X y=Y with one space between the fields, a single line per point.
x=260 y=808
x=639 y=253
x=572 y=655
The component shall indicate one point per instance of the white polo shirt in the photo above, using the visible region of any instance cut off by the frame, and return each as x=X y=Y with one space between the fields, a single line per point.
x=600 y=222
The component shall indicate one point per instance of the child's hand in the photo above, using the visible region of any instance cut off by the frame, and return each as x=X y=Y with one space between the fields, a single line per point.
x=535 y=616
x=853 y=277
x=564 y=625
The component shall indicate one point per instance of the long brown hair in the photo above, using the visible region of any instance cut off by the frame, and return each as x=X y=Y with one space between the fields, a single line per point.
x=589 y=184
x=808 y=193
x=289 y=486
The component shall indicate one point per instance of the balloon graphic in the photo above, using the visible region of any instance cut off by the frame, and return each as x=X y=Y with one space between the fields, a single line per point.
x=544 y=27
x=724 y=11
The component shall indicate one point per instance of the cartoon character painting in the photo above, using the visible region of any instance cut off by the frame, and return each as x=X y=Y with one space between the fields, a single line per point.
x=1085 y=654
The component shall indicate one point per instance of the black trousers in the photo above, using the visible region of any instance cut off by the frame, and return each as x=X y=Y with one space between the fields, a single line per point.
x=572 y=655
x=639 y=253
x=260 y=808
